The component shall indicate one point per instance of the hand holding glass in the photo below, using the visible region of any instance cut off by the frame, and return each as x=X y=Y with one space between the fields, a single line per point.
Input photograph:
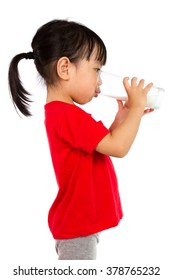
x=112 y=86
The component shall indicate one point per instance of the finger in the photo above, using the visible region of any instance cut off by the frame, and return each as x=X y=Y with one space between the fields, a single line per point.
x=141 y=83
x=126 y=83
x=134 y=81
x=147 y=111
x=120 y=104
x=148 y=87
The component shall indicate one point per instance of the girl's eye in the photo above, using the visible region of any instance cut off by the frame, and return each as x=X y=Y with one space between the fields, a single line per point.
x=98 y=71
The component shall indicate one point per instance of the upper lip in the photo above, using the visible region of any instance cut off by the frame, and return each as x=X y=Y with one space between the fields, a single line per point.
x=98 y=90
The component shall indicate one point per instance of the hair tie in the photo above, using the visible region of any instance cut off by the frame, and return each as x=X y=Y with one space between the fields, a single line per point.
x=29 y=55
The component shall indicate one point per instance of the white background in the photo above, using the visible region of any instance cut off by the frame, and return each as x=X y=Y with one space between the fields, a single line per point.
x=138 y=36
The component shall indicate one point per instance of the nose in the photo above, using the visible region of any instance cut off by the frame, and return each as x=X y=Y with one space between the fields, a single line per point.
x=99 y=81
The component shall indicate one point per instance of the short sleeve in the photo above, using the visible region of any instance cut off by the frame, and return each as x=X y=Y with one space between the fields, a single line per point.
x=80 y=130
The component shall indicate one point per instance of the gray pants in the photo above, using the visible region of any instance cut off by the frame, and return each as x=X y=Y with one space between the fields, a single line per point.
x=80 y=248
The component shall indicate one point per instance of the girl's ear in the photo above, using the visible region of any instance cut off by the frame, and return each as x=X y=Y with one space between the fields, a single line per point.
x=63 y=67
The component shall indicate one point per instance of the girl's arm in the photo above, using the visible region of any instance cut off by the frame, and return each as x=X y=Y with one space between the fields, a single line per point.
x=127 y=121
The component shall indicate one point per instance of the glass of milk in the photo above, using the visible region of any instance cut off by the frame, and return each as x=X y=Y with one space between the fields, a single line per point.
x=112 y=86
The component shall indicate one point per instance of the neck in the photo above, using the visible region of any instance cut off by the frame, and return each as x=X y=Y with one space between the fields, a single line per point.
x=55 y=94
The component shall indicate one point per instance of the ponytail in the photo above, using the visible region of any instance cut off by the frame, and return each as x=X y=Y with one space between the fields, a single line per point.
x=20 y=96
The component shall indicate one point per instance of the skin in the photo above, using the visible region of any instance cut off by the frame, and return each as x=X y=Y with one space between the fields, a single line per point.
x=80 y=82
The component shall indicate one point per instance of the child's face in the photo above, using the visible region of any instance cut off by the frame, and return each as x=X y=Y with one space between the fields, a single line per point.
x=86 y=80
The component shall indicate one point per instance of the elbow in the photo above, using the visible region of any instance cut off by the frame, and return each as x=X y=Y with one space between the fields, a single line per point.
x=120 y=152
x=120 y=155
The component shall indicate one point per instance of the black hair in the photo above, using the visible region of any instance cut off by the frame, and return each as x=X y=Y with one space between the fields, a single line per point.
x=53 y=40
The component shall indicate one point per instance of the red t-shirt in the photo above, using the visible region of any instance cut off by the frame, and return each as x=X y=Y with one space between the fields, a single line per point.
x=88 y=199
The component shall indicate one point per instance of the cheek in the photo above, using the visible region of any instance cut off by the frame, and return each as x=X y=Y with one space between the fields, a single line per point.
x=87 y=85
x=91 y=82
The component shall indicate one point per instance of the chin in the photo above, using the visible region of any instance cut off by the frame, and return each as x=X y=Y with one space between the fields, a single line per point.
x=84 y=101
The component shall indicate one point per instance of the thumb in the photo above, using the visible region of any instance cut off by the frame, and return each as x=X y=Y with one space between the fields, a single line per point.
x=120 y=104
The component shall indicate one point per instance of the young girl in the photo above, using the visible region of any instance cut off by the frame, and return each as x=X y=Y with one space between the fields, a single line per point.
x=69 y=57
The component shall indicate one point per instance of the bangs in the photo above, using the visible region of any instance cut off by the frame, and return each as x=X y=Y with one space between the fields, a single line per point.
x=101 y=54
x=85 y=43
x=95 y=45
